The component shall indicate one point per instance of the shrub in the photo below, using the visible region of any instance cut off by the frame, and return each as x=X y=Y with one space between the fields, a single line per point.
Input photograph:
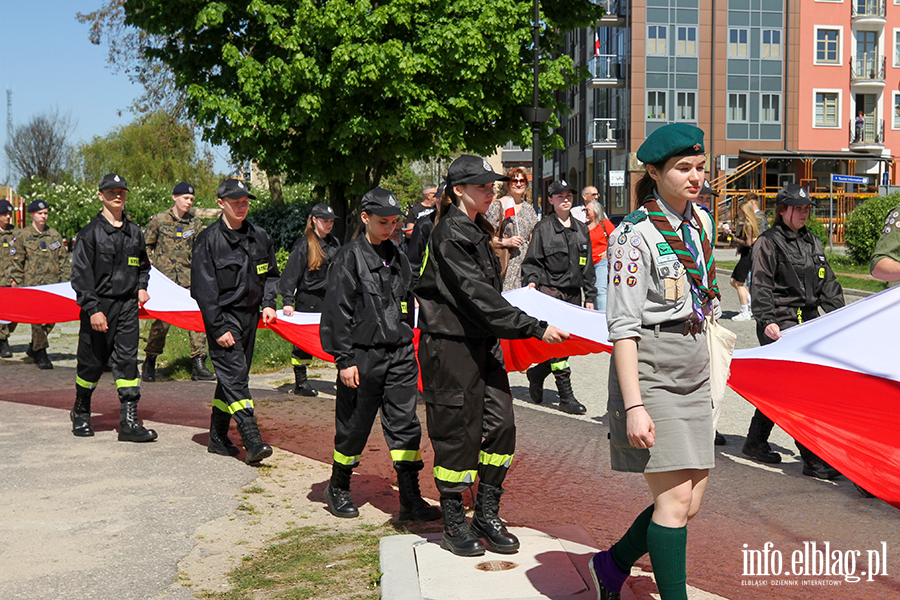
x=283 y=222
x=864 y=226
x=816 y=227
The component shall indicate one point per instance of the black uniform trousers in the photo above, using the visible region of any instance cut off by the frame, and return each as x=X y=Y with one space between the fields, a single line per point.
x=308 y=303
x=469 y=410
x=388 y=379
x=233 y=366
x=559 y=366
x=119 y=341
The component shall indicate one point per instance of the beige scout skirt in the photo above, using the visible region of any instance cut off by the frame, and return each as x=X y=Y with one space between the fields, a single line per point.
x=673 y=370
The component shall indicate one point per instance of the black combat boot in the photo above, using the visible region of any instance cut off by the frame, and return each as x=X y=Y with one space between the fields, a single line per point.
x=219 y=443
x=301 y=384
x=412 y=506
x=148 y=369
x=567 y=401
x=813 y=466
x=536 y=376
x=757 y=445
x=42 y=360
x=486 y=523
x=199 y=372
x=5 y=352
x=457 y=537
x=29 y=351
x=130 y=429
x=256 y=449
x=337 y=494
x=81 y=413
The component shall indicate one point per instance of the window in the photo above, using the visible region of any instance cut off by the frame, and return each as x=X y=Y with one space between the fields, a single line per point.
x=826 y=109
x=737 y=107
x=656 y=105
x=656 y=39
x=685 y=106
x=897 y=47
x=771 y=43
x=687 y=41
x=770 y=108
x=737 y=42
x=828 y=46
x=896 y=110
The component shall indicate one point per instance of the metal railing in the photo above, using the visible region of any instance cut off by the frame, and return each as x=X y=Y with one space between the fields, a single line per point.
x=867 y=8
x=612 y=7
x=607 y=66
x=867 y=68
x=870 y=132
x=604 y=131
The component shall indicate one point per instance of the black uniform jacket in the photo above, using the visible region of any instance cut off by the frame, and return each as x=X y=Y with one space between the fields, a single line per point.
x=789 y=273
x=418 y=241
x=108 y=262
x=459 y=288
x=560 y=257
x=297 y=277
x=232 y=271
x=368 y=303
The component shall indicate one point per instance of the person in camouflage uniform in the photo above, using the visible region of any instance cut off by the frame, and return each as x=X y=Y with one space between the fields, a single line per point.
x=8 y=235
x=170 y=243
x=41 y=258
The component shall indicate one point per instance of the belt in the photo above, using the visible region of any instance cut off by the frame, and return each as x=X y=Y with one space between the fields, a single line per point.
x=682 y=327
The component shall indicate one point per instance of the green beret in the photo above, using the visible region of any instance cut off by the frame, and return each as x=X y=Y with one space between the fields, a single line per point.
x=675 y=139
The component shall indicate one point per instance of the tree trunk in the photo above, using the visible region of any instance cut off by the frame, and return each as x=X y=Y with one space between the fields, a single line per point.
x=275 y=189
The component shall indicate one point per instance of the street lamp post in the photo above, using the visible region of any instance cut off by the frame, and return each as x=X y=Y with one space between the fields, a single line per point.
x=534 y=114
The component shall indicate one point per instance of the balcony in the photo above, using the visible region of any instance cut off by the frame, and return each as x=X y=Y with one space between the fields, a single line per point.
x=607 y=71
x=869 y=136
x=615 y=12
x=867 y=70
x=867 y=11
x=605 y=134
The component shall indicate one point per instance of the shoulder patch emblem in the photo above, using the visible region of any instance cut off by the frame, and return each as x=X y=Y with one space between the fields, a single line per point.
x=635 y=217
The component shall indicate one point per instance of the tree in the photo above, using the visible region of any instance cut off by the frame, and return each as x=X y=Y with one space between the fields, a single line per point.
x=339 y=93
x=155 y=147
x=40 y=149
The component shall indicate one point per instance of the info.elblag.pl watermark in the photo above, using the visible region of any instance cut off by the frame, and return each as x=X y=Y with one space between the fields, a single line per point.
x=813 y=564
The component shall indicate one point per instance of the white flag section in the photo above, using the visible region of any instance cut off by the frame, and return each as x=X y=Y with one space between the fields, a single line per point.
x=833 y=383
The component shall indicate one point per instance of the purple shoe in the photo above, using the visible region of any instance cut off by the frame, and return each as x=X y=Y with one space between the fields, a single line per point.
x=608 y=577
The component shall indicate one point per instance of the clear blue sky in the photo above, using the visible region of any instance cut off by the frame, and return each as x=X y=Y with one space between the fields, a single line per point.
x=48 y=62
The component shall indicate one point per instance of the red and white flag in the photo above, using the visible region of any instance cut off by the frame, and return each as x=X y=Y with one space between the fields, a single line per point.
x=509 y=207
x=596 y=44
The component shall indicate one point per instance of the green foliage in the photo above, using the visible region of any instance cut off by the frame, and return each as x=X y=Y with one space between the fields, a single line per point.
x=405 y=183
x=153 y=148
x=816 y=227
x=864 y=226
x=283 y=222
x=339 y=93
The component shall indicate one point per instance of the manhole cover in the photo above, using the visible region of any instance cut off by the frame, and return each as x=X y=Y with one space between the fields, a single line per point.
x=496 y=565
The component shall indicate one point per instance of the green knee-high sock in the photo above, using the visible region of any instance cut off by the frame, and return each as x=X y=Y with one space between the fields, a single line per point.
x=633 y=544
x=667 y=547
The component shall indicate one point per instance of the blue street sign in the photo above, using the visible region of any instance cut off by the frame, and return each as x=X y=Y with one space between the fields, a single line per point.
x=849 y=179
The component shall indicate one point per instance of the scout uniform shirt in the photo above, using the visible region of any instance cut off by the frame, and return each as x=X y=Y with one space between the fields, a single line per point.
x=888 y=244
x=170 y=243
x=648 y=285
x=40 y=258
x=7 y=251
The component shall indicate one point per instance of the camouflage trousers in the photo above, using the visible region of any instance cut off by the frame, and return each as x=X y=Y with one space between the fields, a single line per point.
x=156 y=341
x=39 y=335
x=6 y=330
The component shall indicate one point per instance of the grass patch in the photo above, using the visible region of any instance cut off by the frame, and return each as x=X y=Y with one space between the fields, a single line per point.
x=311 y=563
x=866 y=285
x=842 y=266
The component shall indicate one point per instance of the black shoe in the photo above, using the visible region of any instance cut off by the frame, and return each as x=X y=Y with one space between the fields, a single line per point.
x=130 y=429
x=199 y=372
x=572 y=407
x=219 y=443
x=602 y=592
x=340 y=502
x=820 y=470
x=42 y=360
x=301 y=383
x=486 y=523
x=5 y=352
x=866 y=493
x=81 y=416
x=721 y=441
x=567 y=402
x=148 y=369
x=412 y=506
x=536 y=376
x=256 y=449
x=761 y=452
x=457 y=537
x=29 y=352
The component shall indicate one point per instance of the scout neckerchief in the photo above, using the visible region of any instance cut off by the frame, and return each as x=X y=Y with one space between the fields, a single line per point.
x=688 y=255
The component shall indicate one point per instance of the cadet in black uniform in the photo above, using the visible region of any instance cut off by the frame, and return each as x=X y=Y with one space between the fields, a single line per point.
x=559 y=263
x=110 y=271
x=367 y=327
x=233 y=271
x=462 y=315
x=303 y=281
x=791 y=280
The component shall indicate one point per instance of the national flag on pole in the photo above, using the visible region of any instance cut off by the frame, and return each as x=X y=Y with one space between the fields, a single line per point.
x=596 y=44
x=509 y=207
